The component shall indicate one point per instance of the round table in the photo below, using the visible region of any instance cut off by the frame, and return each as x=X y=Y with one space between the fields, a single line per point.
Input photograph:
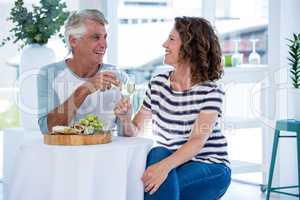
x=92 y=172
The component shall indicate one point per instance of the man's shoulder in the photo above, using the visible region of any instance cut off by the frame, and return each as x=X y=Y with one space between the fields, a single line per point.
x=53 y=67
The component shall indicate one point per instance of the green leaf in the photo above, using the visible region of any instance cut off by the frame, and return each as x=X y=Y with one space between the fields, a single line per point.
x=294 y=59
x=38 y=25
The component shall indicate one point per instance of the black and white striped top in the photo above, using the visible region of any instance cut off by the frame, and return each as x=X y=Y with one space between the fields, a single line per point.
x=174 y=113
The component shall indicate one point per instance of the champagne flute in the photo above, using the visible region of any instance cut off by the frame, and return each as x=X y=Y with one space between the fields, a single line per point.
x=237 y=58
x=254 y=57
x=128 y=89
x=130 y=86
x=115 y=91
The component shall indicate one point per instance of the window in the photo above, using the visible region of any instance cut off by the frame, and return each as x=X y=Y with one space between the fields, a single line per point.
x=241 y=24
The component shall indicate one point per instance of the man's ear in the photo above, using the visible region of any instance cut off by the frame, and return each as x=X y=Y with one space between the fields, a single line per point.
x=73 y=41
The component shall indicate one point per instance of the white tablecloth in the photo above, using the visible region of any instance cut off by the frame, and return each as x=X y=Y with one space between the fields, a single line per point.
x=93 y=172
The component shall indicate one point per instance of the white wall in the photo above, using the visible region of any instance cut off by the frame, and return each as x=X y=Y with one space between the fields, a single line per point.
x=8 y=73
x=72 y=4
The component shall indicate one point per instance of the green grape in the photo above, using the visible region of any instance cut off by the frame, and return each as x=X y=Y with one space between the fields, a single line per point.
x=97 y=129
x=87 y=116
x=84 y=122
x=92 y=124
x=90 y=118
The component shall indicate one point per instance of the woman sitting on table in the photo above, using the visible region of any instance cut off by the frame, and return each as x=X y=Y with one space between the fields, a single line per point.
x=190 y=161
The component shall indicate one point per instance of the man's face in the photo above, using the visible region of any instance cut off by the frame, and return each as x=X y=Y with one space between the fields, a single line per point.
x=92 y=45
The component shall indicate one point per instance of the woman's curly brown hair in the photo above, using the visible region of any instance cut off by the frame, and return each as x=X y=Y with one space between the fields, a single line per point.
x=200 y=47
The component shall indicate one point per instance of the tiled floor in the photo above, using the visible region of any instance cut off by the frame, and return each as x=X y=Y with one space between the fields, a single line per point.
x=239 y=191
x=236 y=191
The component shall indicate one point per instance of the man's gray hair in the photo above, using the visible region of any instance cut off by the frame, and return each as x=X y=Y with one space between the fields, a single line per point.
x=75 y=23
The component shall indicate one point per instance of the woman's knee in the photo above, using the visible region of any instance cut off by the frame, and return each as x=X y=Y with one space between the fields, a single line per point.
x=224 y=182
x=157 y=154
x=205 y=185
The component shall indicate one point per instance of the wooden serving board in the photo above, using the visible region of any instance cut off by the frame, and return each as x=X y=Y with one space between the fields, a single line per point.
x=73 y=140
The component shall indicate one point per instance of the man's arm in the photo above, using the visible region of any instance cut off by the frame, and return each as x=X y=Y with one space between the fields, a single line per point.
x=63 y=114
x=52 y=113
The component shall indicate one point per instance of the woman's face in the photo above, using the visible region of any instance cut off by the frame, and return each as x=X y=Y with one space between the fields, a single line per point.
x=172 y=48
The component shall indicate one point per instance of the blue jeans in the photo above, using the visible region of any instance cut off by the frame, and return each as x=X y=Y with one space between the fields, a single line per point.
x=191 y=181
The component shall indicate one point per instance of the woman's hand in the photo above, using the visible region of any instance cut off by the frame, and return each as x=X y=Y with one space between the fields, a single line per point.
x=154 y=176
x=123 y=109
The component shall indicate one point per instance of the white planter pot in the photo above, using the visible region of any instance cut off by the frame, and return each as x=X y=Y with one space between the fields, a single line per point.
x=33 y=57
x=294 y=103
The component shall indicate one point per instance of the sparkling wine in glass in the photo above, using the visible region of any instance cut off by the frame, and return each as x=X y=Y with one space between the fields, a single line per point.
x=130 y=88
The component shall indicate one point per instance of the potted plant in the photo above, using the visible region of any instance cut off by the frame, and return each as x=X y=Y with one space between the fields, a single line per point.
x=38 y=25
x=31 y=30
x=294 y=63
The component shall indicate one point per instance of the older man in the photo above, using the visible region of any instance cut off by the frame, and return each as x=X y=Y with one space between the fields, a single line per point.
x=81 y=84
